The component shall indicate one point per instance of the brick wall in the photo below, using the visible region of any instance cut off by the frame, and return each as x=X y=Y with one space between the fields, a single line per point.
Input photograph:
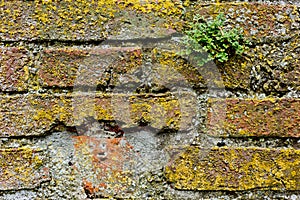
x=98 y=103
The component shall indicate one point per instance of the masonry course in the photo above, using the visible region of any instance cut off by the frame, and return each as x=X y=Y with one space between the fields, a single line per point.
x=27 y=115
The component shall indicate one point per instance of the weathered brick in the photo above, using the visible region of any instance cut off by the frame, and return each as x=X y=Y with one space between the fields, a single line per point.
x=235 y=169
x=84 y=20
x=254 y=117
x=91 y=67
x=22 y=168
x=122 y=69
x=30 y=114
x=13 y=69
x=268 y=68
x=36 y=114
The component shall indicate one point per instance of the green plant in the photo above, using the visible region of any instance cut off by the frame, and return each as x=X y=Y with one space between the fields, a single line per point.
x=212 y=40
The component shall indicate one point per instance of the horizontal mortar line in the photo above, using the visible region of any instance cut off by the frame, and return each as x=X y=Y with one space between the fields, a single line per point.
x=145 y=40
x=198 y=92
x=44 y=41
x=91 y=41
x=97 y=93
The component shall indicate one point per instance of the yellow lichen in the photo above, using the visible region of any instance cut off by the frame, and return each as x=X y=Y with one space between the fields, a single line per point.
x=235 y=169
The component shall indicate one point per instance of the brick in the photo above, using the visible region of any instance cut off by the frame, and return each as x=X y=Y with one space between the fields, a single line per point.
x=14 y=63
x=91 y=67
x=25 y=115
x=234 y=169
x=253 y=117
x=22 y=168
x=104 y=165
x=36 y=114
x=82 y=20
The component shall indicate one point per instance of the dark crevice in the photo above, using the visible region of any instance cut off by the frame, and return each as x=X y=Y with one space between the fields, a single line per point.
x=237 y=89
x=154 y=89
x=53 y=42
x=106 y=128
x=13 y=92
x=56 y=89
x=55 y=127
x=260 y=141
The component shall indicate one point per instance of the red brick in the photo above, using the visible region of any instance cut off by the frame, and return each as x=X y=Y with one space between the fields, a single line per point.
x=83 y=20
x=14 y=63
x=70 y=67
x=253 y=117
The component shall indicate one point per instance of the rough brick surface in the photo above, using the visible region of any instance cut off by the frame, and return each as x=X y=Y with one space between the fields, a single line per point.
x=235 y=169
x=85 y=20
x=22 y=168
x=91 y=67
x=122 y=69
x=253 y=117
x=37 y=114
x=14 y=63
